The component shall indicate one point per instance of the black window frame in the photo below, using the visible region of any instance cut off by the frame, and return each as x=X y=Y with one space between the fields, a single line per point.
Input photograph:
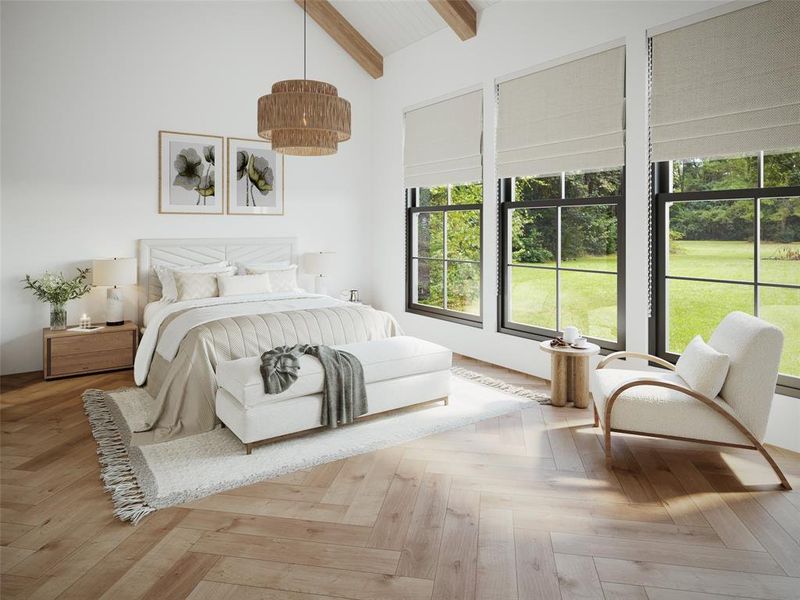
x=411 y=198
x=788 y=385
x=505 y=203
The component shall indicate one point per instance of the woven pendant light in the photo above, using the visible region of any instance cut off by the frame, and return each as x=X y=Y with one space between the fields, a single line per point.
x=302 y=117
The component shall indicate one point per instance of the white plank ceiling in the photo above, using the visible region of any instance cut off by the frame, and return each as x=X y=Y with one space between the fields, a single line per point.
x=390 y=25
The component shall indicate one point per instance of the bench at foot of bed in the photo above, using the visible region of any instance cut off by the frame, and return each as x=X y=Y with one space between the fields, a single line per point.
x=399 y=372
x=249 y=447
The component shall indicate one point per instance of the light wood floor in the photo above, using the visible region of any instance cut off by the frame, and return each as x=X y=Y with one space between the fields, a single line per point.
x=519 y=506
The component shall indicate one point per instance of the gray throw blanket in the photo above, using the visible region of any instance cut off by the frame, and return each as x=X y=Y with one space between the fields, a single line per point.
x=344 y=393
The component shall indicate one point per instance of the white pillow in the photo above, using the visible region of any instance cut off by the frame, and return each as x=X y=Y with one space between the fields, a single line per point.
x=169 y=290
x=703 y=368
x=281 y=279
x=192 y=286
x=243 y=284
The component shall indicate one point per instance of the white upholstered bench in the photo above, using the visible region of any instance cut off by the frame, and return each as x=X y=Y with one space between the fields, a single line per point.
x=399 y=371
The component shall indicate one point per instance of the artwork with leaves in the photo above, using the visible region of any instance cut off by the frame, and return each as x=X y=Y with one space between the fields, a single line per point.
x=255 y=178
x=190 y=180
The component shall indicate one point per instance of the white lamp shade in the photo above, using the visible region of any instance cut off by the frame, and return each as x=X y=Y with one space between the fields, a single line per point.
x=319 y=263
x=114 y=271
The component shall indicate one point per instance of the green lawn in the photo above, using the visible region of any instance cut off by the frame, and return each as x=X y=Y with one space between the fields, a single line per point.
x=589 y=300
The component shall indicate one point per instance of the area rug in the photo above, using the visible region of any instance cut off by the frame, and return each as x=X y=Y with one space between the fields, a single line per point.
x=147 y=478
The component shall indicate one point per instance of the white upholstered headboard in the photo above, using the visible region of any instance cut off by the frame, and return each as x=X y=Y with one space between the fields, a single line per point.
x=185 y=252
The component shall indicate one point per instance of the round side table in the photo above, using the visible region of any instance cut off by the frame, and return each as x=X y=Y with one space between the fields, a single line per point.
x=569 y=377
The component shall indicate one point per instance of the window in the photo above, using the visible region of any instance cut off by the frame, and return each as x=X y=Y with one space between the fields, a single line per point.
x=726 y=224
x=560 y=156
x=443 y=175
x=727 y=235
x=562 y=255
x=444 y=251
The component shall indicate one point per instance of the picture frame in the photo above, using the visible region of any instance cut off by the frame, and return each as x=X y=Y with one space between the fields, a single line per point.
x=255 y=175
x=190 y=178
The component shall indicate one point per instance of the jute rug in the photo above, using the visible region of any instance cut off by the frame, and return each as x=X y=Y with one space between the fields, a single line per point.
x=147 y=478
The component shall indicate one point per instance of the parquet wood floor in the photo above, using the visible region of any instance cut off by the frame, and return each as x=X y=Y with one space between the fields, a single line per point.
x=515 y=507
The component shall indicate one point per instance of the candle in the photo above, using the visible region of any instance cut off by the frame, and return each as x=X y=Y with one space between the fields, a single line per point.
x=85 y=321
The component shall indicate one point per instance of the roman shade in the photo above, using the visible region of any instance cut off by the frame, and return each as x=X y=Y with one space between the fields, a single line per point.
x=443 y=142
x=728 y=85
x=564 y=118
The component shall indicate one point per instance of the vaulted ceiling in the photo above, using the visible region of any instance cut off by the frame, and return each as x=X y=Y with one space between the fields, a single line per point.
x=370 y=30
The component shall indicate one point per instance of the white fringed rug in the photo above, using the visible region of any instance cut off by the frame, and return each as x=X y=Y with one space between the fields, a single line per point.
x=144 y=479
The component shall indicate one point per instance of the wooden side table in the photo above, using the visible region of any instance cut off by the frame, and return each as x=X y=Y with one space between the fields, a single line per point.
x=68 y=353
x=569 y=376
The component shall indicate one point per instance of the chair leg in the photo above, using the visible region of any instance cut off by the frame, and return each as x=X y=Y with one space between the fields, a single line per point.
x=248 y=448
x=784 y=482
x=607 y=446
x=596 y=416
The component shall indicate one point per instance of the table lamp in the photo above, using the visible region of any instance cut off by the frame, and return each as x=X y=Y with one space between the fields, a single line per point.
x=319 y=263
x=113 y=272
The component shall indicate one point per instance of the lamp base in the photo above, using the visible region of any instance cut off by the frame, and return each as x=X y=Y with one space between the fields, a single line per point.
x=321 y=285
x=115 y=314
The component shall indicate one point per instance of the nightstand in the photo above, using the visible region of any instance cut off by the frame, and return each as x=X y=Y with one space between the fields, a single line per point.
x=68 y=353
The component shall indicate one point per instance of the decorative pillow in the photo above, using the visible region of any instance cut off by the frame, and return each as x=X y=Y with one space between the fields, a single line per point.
x=169 y=290
x=198 y=285
x=281 y=279
x=243 y=284
x=703 y=368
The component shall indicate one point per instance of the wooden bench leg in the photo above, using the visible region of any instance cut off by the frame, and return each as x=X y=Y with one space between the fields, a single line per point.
x=248 y=448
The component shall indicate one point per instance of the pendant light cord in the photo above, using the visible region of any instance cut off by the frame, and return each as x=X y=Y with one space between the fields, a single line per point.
x=305 y=15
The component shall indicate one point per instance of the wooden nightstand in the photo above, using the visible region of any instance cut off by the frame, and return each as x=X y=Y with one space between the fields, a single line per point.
x=68 y=353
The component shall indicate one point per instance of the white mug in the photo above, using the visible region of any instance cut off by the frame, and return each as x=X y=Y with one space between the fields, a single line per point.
x=571 y=334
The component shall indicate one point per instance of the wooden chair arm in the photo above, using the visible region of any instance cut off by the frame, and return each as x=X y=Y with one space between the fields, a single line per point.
x=617 y=355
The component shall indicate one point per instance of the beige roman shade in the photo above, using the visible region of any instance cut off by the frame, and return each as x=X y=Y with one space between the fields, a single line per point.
x=443 y=142
x=564 y=118
x=728 y=85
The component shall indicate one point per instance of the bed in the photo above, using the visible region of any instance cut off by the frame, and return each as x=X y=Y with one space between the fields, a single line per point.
x=183 y=342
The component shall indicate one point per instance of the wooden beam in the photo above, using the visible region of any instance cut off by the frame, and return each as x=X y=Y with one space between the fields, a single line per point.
x=459 y=15
x=345 y=35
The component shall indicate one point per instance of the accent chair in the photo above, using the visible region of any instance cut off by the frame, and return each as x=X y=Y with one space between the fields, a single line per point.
x=662 y=404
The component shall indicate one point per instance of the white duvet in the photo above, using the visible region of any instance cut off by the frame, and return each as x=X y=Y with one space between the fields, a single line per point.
x=206 y=310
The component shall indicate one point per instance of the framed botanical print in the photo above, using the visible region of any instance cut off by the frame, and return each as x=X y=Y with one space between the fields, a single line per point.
x=189 y=181
x=255 y=178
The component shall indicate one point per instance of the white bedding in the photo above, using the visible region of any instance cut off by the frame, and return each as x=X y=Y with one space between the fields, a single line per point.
x=206 y=310
x=153 y=308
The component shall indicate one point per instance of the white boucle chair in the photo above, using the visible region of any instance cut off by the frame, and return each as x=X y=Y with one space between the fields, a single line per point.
x=661 y=404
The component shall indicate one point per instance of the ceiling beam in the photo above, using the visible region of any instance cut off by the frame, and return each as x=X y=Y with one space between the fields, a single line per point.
x=459 y=15
x=345 y=35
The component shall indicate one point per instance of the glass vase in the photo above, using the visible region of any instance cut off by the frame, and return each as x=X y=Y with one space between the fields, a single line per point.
x=58 y=317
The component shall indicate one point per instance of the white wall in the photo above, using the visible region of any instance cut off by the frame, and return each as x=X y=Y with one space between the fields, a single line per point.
x=514 y=36
x=85 y=89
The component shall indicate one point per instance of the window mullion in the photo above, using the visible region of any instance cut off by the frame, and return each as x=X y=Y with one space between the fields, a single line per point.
x=756 y=253
x=444 y=249
x=757 y=237
x=558 y=251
